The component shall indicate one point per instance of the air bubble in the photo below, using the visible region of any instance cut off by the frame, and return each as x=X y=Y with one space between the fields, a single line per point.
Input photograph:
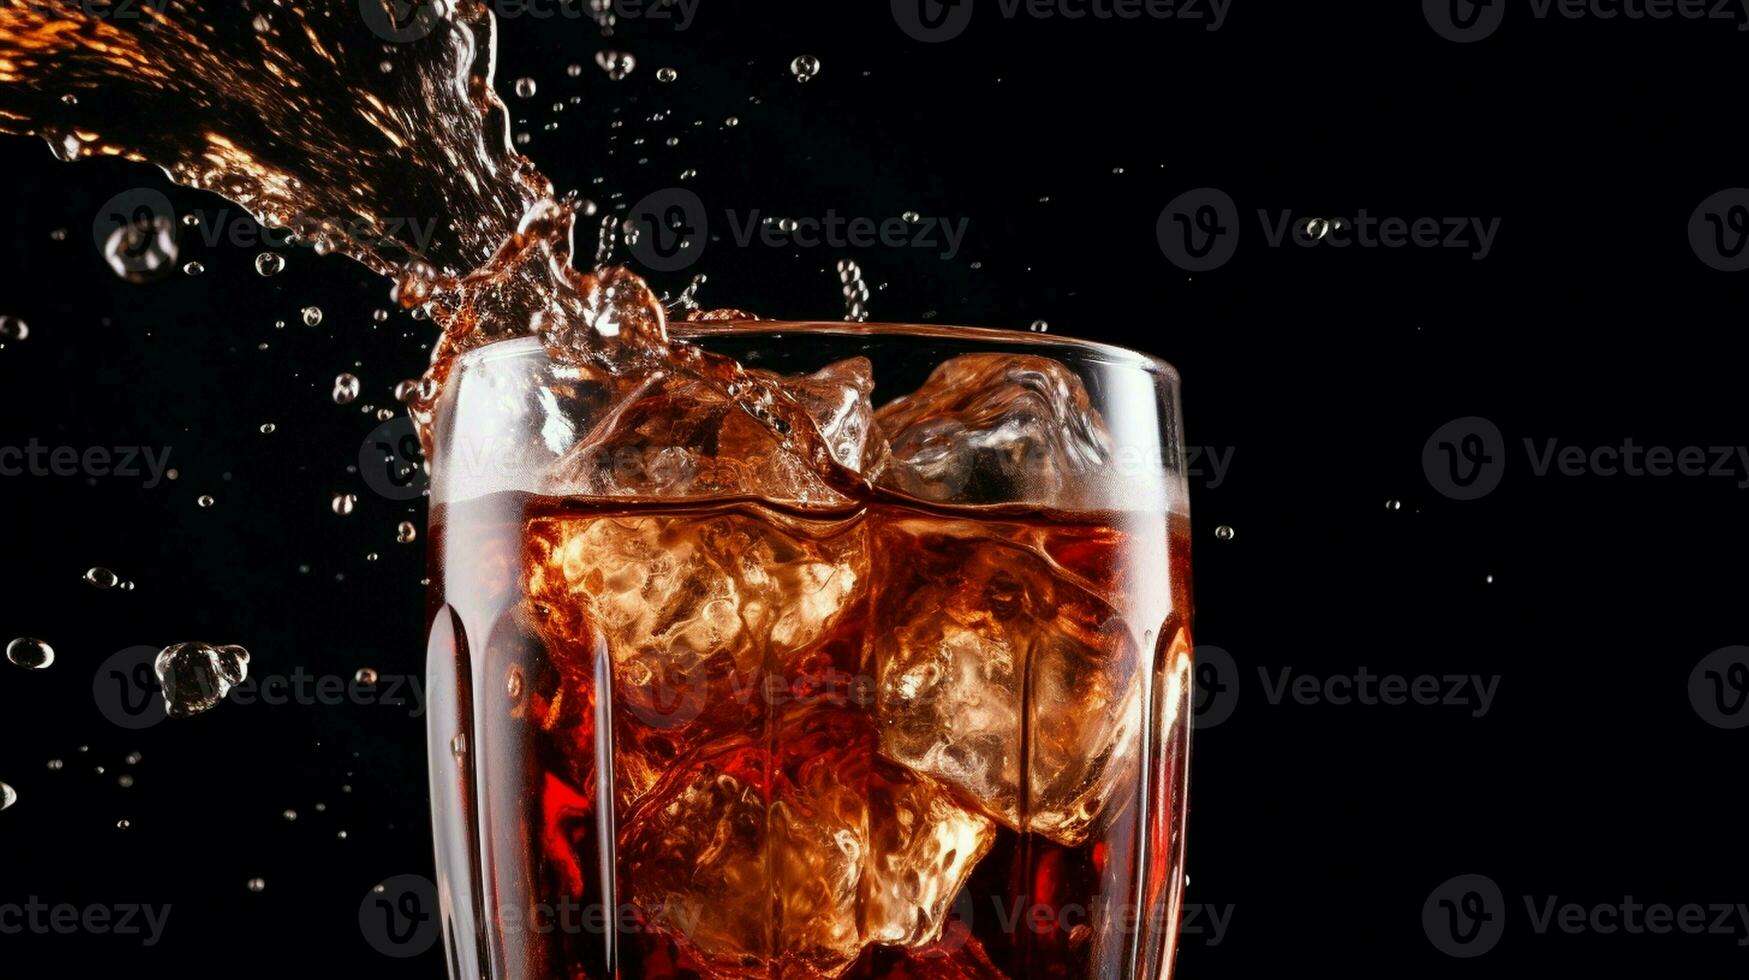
x=312 y=316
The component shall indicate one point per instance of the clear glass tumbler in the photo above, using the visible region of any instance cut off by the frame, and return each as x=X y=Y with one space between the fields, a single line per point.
x=935 y=726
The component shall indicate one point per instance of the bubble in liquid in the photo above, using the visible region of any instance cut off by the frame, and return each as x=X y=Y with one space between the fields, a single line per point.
x=143 y=250
x=8 y=796
x=365 y=675
x=256 y=884
x=345 y=389
x=525 y=88
x=12 y=328
x=617 y=64
x=405 y=532
x=312 y=316
x=270 y=263
x=805 y=67
x=343 y=503
x=31 y=654
x=204 y=501
x=102 y=577
x=1224 y=533
x=666 y=74
x=1040 y=326
x=194 y=269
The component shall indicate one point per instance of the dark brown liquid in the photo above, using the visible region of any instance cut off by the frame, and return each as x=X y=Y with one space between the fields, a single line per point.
x=734 y=741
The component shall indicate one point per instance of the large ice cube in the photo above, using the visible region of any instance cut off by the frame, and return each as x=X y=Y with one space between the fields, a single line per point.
x=999 y=428
x=790 y=855
x=1004 y=676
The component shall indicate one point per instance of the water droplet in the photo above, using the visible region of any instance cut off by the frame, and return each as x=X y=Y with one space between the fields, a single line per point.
x=405 y=390
x=321 y=808
x=256 y=885
x=575 y=71
x=911 y=217
x=312 y=316
x=1393 y=505
x=124 y=781
x=69 y=99
x=380 y=316
x=666 y=74
x=31 y=654
x=122 y=824
x=132 y=758
x=341 y=835
x=12 y=328
x=1224 y=533
x=56 y=765
x=617 y=64
x=513 y=683
x=458 y=746
x=373 y=556
x=525 y=88
x=8 y=796
x=1489 y=579
x=365 y=675
x=102 y=577
x=191 y=220
x=194 y=269
x=805 y=67
x=343 y=503
x=143 y=250
x=385 y=414
x=290 y=815
x=405 y=532
x=269 y=263
x=345 y=389
x=268 y=428
x=205 y=500
x=732 y=121
x=1040 y=326
x=197 y=676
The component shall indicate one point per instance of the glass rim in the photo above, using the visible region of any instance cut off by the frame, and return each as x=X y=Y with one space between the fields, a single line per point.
x=690 y=329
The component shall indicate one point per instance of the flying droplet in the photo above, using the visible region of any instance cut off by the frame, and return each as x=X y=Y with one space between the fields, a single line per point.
x=123 y=824
x=365 y=675
x=12 y=328
x=102 y=577
x=31 y=654
x=143 y=250
x=405 y=532
x=805 y=67
x=343 y=503
x=132 y=758
x=124 y=780
x=56 y=765
x=197 y=676
x=1224 y=533
x=1393 y=505
x=666 y=74
x=911 y=217
x=312 y=316
x=270 y=263
x=525 y=88
x=290 y=815
x=345 y=389
x=617 y=64
x=8 y=796
x=194 y=269
x=256 y=885
x=205 y=500
x=1040 y=326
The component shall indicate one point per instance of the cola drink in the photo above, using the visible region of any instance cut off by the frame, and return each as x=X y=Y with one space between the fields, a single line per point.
x=741 y=735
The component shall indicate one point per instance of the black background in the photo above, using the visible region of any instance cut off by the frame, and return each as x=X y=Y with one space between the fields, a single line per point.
x=1321 y=829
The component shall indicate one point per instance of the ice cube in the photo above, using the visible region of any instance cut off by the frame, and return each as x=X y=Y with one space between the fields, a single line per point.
x=695 y=613
x=999 y=428
x=196 y=676
x=836 y=397
x=792 y=858
x=996 y=668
